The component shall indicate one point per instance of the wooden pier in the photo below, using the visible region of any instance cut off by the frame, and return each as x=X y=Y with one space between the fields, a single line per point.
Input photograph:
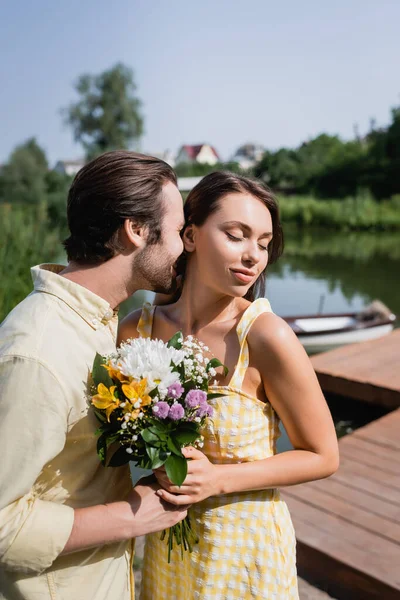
x=348 y=526
x=368 y=371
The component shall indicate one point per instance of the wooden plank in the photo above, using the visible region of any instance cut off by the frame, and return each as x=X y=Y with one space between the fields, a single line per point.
x=357 y=452
x=381 y=437
x=346 y=511
x=375 y=560
x=379 y=505
x=385 y=480
x=348 y=526
x=367 y=371
x=338 y=579
x=367 y=445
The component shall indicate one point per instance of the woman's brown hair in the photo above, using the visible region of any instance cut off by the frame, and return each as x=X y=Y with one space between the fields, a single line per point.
x=204 y=199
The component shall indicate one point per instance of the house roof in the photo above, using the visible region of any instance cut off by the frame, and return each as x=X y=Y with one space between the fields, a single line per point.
x=194 y=151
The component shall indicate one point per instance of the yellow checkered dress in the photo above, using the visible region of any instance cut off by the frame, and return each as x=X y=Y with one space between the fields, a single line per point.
x=247 y=542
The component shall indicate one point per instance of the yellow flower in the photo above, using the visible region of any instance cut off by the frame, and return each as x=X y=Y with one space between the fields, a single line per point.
x=135 y=392
x=114 y=373
x=105 y=399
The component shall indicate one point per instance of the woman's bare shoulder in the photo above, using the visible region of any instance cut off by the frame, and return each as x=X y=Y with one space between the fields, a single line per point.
x=272 y=333
x=127 y=328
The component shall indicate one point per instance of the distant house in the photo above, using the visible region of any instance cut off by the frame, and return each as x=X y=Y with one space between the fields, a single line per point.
x=69 y=167
x=200 y=153
x=248 y=155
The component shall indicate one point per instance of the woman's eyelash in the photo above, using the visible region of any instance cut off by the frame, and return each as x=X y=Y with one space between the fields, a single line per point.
x=236 y=239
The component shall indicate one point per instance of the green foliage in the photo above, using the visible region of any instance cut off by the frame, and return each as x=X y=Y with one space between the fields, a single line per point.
x=27 y=239
x=327 y=167
x=24 y=175
x=176 y=468
x=108 y=114
x=352 y=213
x=99 y=373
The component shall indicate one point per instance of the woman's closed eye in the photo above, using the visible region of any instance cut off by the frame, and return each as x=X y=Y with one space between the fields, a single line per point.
x=234 y=238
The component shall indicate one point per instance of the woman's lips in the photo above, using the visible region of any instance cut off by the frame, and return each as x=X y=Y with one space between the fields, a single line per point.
x=243 y=277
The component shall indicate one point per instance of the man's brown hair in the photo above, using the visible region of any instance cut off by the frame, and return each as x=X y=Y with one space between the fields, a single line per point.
x=115 y=186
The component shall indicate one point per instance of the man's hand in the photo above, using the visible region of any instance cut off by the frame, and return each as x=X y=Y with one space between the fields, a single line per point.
x=200 y=483
x=151 y=512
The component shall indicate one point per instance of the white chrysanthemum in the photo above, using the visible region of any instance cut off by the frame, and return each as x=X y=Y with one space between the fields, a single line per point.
x=150 y=359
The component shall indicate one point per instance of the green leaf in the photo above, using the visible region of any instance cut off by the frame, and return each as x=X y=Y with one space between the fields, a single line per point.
x=156 y=456
x=120 y=457
x=102 y=448
x=163 y=427
x=112 y=438
x=186 y=437
x=215 y=363
x=100 y=430
x=173 y=447
x=176 y=341
x=211 y=396
x=160 y=434
x=176 y=468
x=100 y=416
x=150 y=437
x=99 y=373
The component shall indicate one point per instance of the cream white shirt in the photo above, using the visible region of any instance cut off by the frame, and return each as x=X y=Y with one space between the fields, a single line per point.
x=48 y=460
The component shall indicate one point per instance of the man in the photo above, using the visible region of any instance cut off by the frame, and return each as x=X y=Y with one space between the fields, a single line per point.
x=66 y=522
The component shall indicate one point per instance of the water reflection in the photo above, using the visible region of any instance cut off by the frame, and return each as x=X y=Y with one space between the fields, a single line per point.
x=350 y=269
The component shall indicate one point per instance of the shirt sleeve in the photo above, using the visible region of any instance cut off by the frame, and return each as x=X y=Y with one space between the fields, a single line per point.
x=33 y=428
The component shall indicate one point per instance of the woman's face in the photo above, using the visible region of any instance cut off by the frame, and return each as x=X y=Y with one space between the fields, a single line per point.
x=230 y=250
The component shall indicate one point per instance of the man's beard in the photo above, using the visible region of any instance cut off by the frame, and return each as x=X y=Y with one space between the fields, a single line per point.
x=155 y=272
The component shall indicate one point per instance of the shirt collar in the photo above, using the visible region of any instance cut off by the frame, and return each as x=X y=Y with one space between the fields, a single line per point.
x=94 y=310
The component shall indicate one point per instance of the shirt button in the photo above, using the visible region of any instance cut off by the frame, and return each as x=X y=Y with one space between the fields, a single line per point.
x=108 y=314
x=95 y=322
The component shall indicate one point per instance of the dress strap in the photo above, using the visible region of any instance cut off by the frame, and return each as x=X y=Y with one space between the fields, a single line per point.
x=256 y=308
x=145 y=324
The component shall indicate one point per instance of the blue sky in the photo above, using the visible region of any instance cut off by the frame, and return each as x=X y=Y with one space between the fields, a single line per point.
x=218 y=71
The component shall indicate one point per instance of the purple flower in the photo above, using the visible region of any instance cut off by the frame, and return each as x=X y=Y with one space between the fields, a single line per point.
x=195 y=398
x=175 y=390
x=176 y=412
x=205 y=410
x=161 y=410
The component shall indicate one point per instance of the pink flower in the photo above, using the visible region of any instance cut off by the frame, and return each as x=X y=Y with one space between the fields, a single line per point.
x=161 y=410
x=195 y=398
x=176 y=412
x=175 y=390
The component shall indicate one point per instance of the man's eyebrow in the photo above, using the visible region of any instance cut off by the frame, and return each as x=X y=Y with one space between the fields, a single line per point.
x=246 y=228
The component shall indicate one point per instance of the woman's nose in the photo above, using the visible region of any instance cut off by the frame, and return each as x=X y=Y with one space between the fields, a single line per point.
x=252 y=254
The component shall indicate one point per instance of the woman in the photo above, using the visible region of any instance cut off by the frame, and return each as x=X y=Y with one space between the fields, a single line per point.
x=247 y=543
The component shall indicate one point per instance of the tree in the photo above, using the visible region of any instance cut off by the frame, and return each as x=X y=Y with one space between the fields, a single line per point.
x=280 y=169
x=108 y=114
x=24 y=176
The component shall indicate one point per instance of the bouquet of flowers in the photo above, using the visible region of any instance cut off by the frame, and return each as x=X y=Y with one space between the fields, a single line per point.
x=151 y=398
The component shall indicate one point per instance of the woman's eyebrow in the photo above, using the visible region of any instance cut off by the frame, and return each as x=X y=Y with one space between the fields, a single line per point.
x=246 y=228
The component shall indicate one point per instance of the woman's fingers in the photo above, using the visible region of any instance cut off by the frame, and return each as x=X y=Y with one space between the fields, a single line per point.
x=176 y=500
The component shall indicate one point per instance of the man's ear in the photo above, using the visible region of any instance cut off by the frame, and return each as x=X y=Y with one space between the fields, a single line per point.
x=189 y=238
x=135 y=234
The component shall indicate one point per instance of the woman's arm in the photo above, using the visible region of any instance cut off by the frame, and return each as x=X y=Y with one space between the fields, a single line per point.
x=292 y=388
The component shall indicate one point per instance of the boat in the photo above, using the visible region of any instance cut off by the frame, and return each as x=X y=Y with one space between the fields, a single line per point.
x=319 y=333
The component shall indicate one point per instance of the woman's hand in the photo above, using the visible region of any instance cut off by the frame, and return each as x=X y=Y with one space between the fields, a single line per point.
x=200 y=483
